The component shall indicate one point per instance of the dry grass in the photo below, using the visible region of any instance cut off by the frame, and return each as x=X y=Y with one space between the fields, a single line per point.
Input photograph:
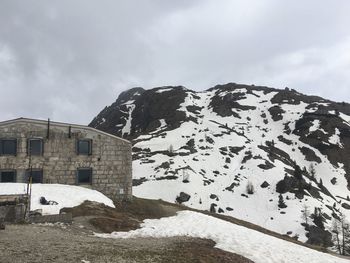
x=125 y=217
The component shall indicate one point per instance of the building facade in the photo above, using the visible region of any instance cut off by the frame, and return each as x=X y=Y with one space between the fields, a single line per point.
x=53 y=152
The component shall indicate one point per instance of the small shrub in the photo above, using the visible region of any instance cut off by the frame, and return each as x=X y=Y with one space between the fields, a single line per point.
x=296 y=237
x=312 y=172
x=298 y=172
x=281 y=203
x=318 y=218
x=320 y=183
x=250 y=188
x=185 y=177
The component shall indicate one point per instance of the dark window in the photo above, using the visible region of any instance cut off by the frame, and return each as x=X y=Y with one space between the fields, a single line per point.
x=8 y=147
x=8 y=176
x=37 y=176
x=84 y=176
x=84 y=147
x=35 y=146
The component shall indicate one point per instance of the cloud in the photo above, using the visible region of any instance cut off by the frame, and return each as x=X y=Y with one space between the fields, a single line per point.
x=67 y=60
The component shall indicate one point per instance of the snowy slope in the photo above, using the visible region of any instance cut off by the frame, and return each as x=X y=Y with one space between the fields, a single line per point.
x=212 y=144
x=64 y=195
x=230 y=237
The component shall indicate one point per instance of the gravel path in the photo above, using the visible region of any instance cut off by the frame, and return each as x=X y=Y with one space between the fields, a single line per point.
x=73 y=243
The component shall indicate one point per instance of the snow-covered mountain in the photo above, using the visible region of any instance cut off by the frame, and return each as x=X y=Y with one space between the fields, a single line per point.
x=256 y=153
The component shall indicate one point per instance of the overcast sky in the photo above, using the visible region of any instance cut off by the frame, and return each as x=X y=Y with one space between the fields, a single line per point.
x=67 y=59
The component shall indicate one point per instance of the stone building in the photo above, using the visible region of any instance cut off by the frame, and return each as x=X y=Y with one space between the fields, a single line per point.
x=53 y=152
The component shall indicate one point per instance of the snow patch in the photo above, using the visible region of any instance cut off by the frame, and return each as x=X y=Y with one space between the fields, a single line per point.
x=127 y=128
x=335 y=139
x=163 y=90
x=64 y=195
x=315 y=125
x=251 y=244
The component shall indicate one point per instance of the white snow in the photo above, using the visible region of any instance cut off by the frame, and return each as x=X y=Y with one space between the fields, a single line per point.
x=163 y=90
x=335 y=139
x=126 y=129
x=64 y=195
x=326 y=104
x=249 y=243
x=315 y=125
x=345 y=117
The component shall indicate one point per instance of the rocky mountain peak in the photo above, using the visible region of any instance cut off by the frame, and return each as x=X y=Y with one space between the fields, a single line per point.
x=239 y=150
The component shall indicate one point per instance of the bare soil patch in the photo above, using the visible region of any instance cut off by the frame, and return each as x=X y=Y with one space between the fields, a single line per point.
x=42 y=243
x=125 y=217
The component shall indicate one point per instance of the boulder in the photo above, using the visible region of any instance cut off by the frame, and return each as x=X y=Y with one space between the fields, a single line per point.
x=264 y=184
x=183 y=197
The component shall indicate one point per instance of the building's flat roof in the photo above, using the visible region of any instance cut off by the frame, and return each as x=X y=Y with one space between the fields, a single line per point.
x=61 y=124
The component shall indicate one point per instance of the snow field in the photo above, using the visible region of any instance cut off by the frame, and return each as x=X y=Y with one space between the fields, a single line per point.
x=259 y=247
x=64 y=195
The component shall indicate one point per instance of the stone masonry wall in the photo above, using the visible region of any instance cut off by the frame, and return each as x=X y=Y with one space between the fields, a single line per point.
x=110 y=159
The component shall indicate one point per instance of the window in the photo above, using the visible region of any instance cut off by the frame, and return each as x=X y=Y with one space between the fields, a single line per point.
x=35 y=146
x=84 y=176
x=37 y=176
x=8 y=176
x=8 y=146
x=84 y=147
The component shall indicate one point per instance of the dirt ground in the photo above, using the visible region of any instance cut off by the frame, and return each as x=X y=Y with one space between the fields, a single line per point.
x=75 y=243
